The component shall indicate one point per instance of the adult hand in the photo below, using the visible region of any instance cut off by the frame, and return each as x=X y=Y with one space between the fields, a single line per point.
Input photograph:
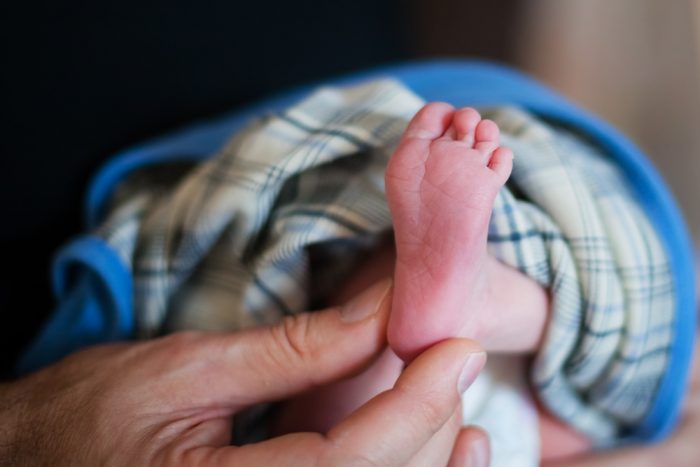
x=172 y=400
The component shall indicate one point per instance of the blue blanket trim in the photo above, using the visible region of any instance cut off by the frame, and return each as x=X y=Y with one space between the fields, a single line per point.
x=93 y=286
x=94 y=291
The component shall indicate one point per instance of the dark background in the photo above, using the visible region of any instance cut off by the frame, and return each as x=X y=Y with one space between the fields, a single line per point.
x=81 y=80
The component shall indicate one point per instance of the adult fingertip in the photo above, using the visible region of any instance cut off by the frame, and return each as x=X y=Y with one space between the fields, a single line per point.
x=471 y=449
x=473 y=365
x=397 y=423
x=368 y=303
x=457 y=361
x=479 y=452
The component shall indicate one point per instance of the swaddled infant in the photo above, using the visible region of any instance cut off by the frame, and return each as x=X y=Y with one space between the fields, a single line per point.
x=441 y=183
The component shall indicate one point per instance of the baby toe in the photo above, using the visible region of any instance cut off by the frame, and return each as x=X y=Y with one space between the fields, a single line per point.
x=501 y=162
x=431 y=121
x=465 y=122
x=487 y=131
x=487 y=136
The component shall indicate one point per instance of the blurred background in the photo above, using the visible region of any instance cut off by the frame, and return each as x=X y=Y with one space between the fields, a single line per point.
x=82 y=80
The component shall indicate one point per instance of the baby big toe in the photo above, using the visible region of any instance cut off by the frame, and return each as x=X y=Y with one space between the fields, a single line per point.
x=430 y=122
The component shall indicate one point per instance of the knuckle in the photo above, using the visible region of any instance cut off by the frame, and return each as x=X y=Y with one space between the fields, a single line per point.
x=293 y=341
x=182 y=342
x=176 y=350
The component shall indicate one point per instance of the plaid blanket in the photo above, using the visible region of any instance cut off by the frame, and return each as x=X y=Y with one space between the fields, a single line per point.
x=291 y=203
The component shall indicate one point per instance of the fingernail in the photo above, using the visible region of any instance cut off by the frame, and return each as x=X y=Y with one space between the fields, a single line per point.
x=367 y=303
x=475 y=362
x=478 y=454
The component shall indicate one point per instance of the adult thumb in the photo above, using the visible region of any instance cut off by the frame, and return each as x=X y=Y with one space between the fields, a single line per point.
x=301 y=352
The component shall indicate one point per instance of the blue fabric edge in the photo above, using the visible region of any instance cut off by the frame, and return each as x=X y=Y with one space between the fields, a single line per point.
x=94 y=253
x=85 y=262
x=197 y=142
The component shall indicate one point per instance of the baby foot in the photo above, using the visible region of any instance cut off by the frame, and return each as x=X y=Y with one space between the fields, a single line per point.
x=441 y=184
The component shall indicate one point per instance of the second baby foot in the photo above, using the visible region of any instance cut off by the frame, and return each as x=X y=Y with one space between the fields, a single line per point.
x=441 y=184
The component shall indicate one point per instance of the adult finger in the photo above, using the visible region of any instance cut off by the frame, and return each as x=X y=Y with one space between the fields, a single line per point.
x=301 y=352
x=437 y=450
x=471 y=449
x=391 y=428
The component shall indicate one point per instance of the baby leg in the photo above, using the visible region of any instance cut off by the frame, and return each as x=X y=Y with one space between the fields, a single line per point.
x=441 y=184
x=446 y=283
